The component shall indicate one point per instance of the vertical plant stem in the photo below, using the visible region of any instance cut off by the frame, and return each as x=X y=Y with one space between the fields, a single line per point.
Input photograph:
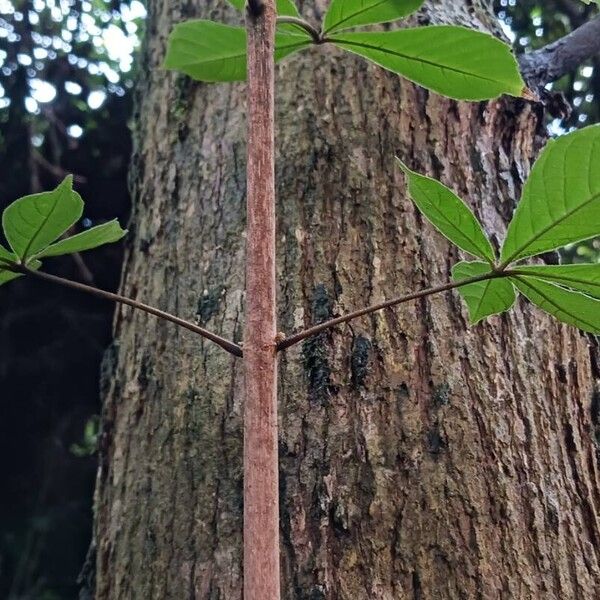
x=261 y=485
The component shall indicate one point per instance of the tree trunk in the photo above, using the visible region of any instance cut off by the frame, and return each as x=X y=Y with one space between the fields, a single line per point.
x=420 y=457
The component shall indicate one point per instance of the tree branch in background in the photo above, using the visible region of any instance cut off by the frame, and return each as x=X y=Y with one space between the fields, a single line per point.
x=56 y=170
x=561 y=57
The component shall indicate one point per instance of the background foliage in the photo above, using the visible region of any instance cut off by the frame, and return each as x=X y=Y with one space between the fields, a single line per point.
x=531 y=25
x=66 y=75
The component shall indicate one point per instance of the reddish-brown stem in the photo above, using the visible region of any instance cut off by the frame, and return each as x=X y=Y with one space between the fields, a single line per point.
x=302 y=335
x=161 y=314
x=261 y=493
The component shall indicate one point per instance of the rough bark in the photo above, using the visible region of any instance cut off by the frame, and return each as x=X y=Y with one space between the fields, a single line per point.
x=420 y=457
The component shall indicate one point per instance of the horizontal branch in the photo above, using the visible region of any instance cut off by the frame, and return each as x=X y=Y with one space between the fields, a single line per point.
x=227 y=345
x=562 y=56
x=312 y=331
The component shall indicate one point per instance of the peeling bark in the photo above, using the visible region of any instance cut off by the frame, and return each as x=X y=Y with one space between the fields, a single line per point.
x=419 y=457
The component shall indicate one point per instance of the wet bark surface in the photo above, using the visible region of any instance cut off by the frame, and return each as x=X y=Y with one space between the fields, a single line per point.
x=420 y=457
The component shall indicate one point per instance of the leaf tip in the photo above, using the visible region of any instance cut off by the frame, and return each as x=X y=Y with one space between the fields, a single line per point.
x=474 y=319
x=67 y=182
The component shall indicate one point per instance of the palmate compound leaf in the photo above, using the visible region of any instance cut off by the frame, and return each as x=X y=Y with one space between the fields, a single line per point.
x=583 y=278
x=107 y=233
x=573 y=308
x=33 y=222
x=209 y=51
x=284 y=7
x=344 y=14
x=543 y=285
x=448 y=214
x=454 y=61
x=487 y=297
x=560 y=203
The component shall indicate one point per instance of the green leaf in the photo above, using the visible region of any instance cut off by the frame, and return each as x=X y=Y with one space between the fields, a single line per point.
x=454 y=61
x=33 y=222
x=448 y=214
x=106 y=233
x=483 y=298
x=581 y=278
x=560 y=203
x=7 y=275
x=208 y=51
x=285 y=8
x=6 y=255
x=343 y=14
x=565 y=305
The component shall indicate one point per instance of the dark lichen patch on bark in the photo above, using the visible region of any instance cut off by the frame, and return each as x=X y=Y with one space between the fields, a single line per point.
x=315 y=355
x=436 y=441
x=338 y=517
x=441 y=395
x=209 y=304
x=145 y=371
x=402 y=392
x=315 y=350
x=359 y=360
x=317 y=593
x=561 y=373
x=321 y=304
x=552 y=519
x=183 y=97
x=416 y=586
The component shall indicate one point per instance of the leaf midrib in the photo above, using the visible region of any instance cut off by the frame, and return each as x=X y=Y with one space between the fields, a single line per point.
x=413 y=59
x=576 y=318
x=484 y=255
x=357 y=13
x=42 y=224
x=559 y=278
x=516 y=254
x=487 y=284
